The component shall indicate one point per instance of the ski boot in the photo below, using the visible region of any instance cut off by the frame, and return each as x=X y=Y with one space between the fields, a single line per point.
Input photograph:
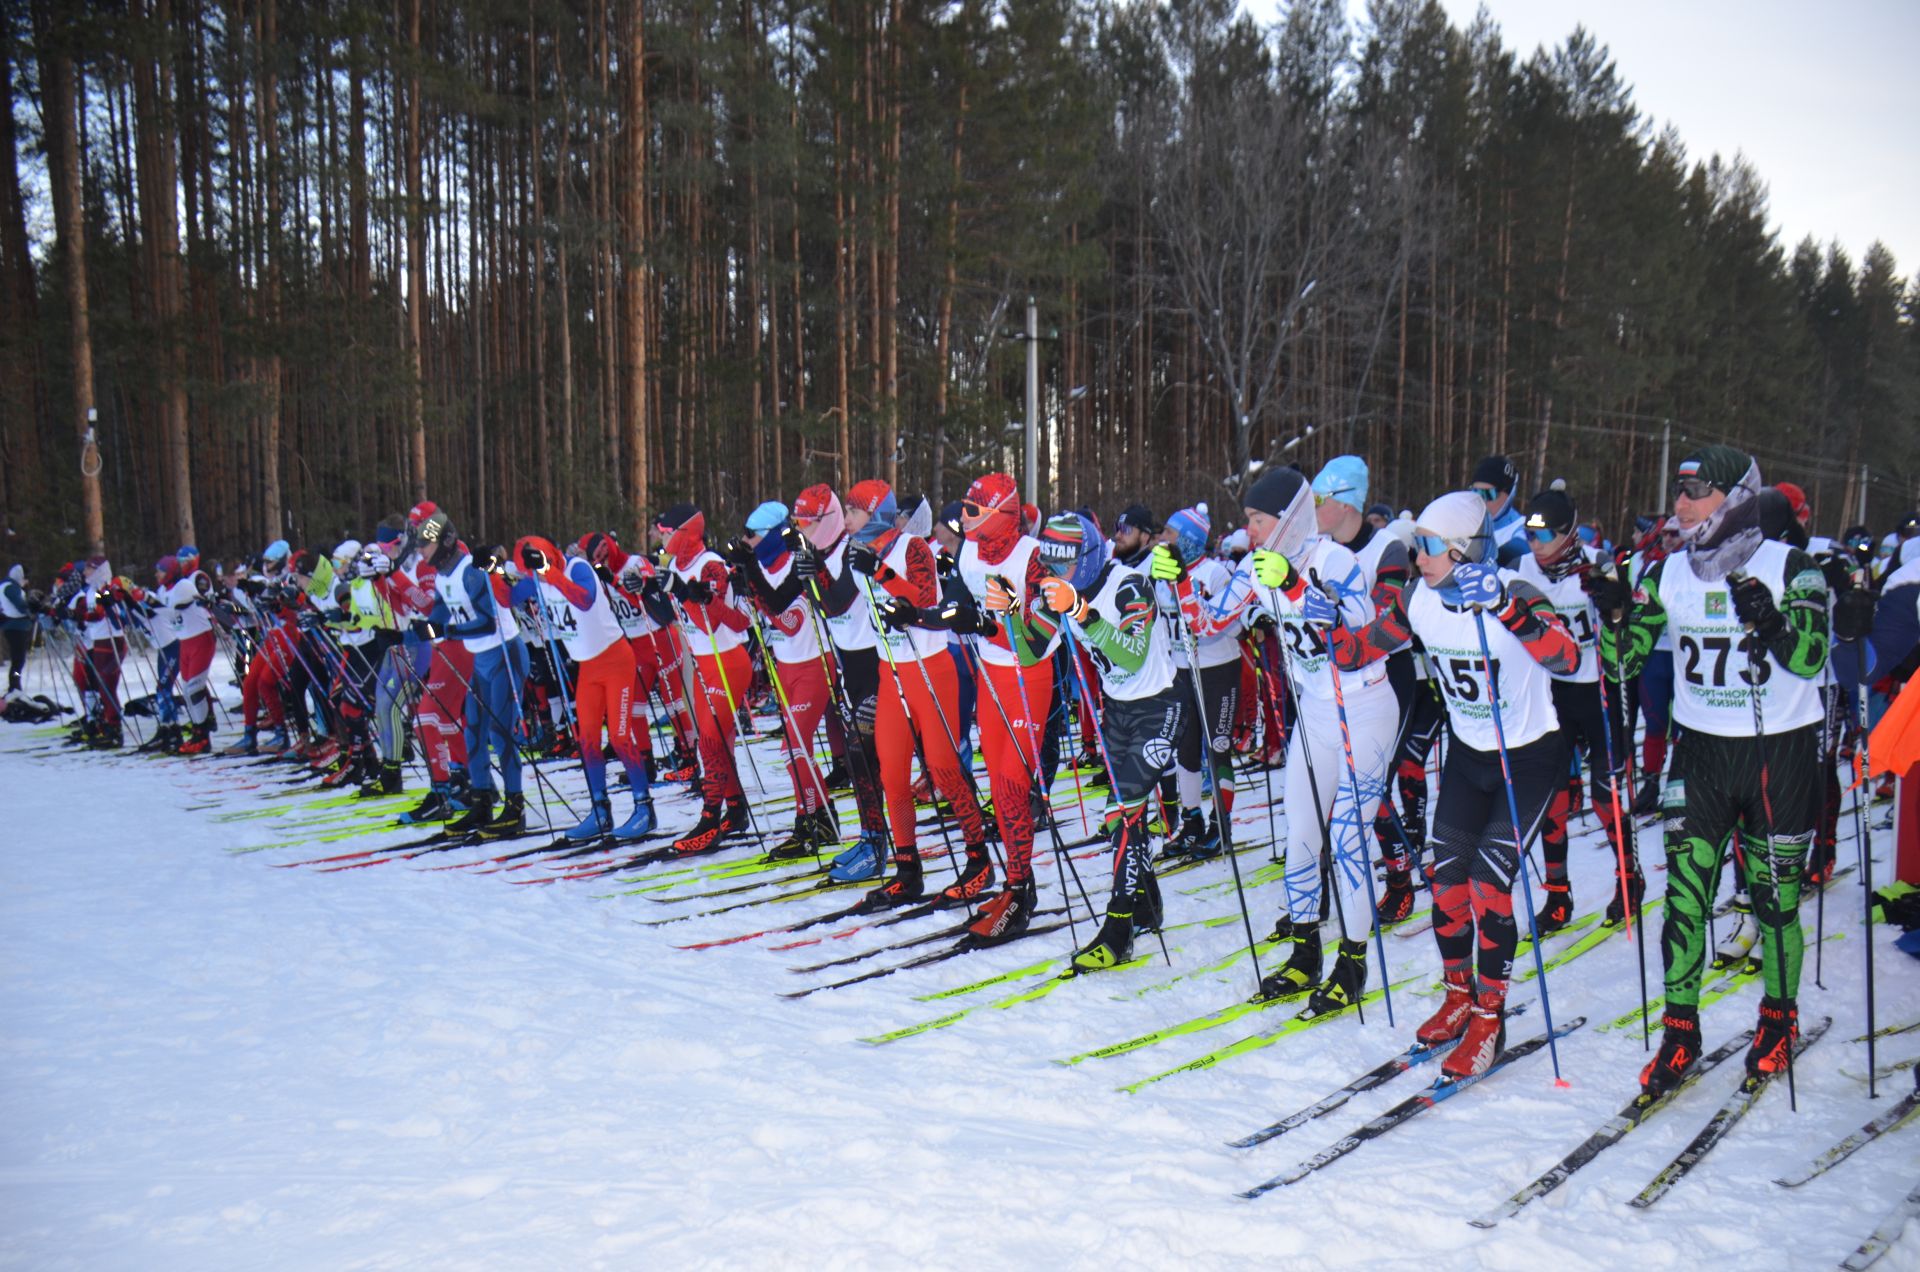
x=1627 y=899
x=860 y=862
x=479 y=813
x=1396 y=901
x=1484 y=1039
x=1345 y=984
x=1558 y=911
x=382 y=781
x=905 y=886
x=275 y=743
x=1450 y=1021
x=1738 y=942
x=1773 y=1038
x=704 y=835
x=249 y=744
x=196 y=739
x=811 y=832
x=1299 y=973
x=1041 y=813
x=1193 y=828
x=597 y=822
x=165 y=738
x=837 y=778
x=1646 y=800
x=106 y=737
x=1111 y=946
x=1284 y=930
x=976 y=876
x=1679 y=1051
x=431 y=809
x=510 y=820
x=640 y=823
x=1004 y=917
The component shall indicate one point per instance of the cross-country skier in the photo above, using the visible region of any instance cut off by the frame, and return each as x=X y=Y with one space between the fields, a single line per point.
x=1749 y=618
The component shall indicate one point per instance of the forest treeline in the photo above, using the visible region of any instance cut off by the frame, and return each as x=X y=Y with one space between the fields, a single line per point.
x=558 y=262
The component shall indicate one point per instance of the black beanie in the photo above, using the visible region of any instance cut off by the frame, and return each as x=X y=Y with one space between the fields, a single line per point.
x=1276 y=490
x=1497 y=471
x=1551 y=510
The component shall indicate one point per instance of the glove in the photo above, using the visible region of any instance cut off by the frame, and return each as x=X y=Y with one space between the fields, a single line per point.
x=1317 y=609
x=945 y=566
x=1839 y=573
x=1609 y=591
x=736 y=552
x=374 y=563
x=1060 y=597
x=860 y=557
x=898 y=614
x=1164 y=564
x=1480 y=586
x=697 y=591
x=1262 y=623
x=806 y=562
x=963 y=618
x=1754 y=606
x=1000 y=598
x=1271 y=569
x=1853 y=614
x=307 y=619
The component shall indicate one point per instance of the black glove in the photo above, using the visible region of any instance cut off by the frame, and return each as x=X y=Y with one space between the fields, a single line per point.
x=737 y=552
x=1610 y=593
x=1264 y=623
x=1853 y=614
x=697 y=591
x=1839 y=572
x=860 y=557
x=898 y=614
x=424 y=629
x=806 y=566
x=676 y=587
x=944 y=565
x=308 y=619
x=1754 y=606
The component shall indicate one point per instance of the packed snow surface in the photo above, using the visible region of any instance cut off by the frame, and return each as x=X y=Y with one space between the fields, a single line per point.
x=211 y=1061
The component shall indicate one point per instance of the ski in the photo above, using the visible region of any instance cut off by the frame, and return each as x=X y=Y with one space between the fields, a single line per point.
x=1254 y=1042
x=1723 y=1120
x=1379 y=1075
x=1901 y=1113
x=1884 y=1072
x=1632 y=1114
x=1408 y=1109
x=1046 y=987
x=1869 y=1251
x=1888 y=1031
x=960 y=947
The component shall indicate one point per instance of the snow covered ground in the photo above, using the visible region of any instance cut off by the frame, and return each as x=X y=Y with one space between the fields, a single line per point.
x=210 y=1062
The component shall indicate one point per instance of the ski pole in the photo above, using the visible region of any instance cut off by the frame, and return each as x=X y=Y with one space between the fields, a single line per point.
x=1635 y=929
x=733 y=709
x=1519 y=846
x=1862 y=832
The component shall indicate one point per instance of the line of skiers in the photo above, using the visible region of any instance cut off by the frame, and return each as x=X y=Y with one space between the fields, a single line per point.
x=1328 y=635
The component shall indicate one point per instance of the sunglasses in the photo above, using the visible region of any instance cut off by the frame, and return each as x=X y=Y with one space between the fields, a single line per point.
x=1489 y=494
x=1695 y=488
x=968 y=508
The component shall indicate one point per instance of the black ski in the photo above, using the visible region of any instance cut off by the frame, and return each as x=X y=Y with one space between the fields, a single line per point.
x=1723 y=1120
x=1869 y=1251
x=1408 y=1109
x=1637 y=1110
x=965 y=945
x=1902 y=1112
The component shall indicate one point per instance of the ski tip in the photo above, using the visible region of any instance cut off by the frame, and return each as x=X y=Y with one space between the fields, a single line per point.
x=1562 y=1084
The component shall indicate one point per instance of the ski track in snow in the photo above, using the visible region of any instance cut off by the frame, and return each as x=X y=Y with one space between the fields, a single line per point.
x=209 y=1063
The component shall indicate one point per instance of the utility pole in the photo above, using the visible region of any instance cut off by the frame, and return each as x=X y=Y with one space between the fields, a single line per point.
x=1033 y=403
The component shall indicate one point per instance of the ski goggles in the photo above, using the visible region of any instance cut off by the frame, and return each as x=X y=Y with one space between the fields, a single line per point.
x=1488 y=493
x=1542 y=534
x=1432 y=545
x=1331 y=496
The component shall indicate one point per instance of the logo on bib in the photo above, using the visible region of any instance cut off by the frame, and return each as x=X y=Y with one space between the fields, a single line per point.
x=1716 y=604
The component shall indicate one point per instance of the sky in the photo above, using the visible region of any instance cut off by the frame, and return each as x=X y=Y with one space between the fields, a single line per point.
x=1823 y=100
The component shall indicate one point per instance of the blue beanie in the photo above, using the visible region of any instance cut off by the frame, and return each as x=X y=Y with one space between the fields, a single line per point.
x=1344 y=478
x=767 y=516
x=1190 y=528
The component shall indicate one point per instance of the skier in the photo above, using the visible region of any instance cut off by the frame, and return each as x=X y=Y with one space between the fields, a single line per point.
x=1111 y=608
x=1210 y=740
x=1556 y=565
x=575 y=611
x=765 y=561
x=919 y=697
x=467 y=607
x=714 y=627
x=820 y=554
x=16 y=624
x=1458 y=598
x=184 y=596
x=1749 y=618
x=1493 y=480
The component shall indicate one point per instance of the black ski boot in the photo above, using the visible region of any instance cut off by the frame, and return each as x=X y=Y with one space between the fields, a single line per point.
x=1193 y=828
x=1111 y=946
x=510 y=820
x=164 y=738
x=1284 y=930
x=976 y=876
x=1771 y=1050
x=1397 y=901
x=1558 y=911
x=1646 y=800
x=383 y=781
x=1627 y=899
x=1299 y=973
x=838 y=778
x=1679 y=1051
x=1004 y=917
x=1344 y=984
x=704 y=835
x=479 y=813
x=905 y=886
x=811 y=832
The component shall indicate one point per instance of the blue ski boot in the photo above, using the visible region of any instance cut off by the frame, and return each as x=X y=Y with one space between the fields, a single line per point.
x=860 y=862
x=640 y=824
x=598 y=821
